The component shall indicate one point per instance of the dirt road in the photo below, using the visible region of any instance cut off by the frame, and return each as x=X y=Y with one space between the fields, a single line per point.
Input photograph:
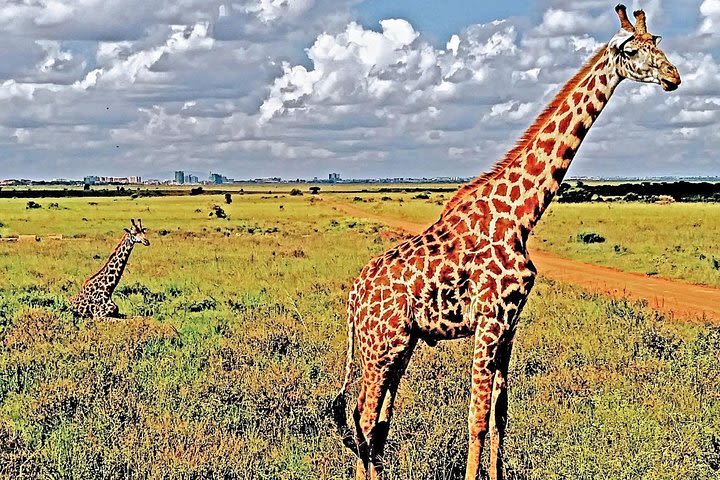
x=676 y=298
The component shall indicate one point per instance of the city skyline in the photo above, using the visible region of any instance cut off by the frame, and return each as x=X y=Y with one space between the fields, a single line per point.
x=366 y=88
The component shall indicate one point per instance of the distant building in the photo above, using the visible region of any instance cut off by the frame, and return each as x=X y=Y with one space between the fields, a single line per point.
x=91 y=179
x=217 y=179
x=191 y=178
x=334 y=177
x=179 y=177
x=135 y=179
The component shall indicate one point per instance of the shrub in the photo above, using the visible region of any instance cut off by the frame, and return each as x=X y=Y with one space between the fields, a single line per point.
x=202 y=305
x=217 y=211
x=295 y=192
x=31 y=205
x=590 y=237
x=196 y=191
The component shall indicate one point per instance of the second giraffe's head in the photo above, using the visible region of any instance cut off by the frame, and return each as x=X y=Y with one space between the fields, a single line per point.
x=637 y=55
x=137 y=232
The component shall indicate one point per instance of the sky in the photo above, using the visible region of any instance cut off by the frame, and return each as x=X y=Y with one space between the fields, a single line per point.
x=302 y=88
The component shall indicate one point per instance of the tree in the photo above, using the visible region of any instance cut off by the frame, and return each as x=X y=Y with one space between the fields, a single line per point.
x=314 y=190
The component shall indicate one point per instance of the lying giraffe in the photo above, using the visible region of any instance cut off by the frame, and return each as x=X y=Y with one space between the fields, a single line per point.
x=95 y=298
x=469 y=273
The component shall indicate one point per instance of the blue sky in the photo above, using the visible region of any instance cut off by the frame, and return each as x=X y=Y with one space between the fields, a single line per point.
x=300 y=88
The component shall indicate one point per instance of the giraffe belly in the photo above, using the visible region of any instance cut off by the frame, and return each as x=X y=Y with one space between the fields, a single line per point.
x=446 y=317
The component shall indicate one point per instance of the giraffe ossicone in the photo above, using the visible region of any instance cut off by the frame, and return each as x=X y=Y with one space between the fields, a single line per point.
x=469 y=274
x=95 y=298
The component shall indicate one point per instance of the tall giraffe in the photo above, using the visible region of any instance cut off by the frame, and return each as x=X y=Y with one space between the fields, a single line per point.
x=469 y=273
x=95 y=298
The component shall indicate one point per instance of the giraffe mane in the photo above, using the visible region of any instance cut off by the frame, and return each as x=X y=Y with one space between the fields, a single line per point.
x=512 y=156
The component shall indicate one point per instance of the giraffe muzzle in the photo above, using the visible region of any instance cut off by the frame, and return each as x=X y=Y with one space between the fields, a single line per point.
x=670 y=78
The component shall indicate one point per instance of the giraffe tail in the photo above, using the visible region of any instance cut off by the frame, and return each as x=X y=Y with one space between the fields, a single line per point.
x=339 y=405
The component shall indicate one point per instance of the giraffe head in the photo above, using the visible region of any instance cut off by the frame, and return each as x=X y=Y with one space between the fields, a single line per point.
x=137 y=232
x=636 y=54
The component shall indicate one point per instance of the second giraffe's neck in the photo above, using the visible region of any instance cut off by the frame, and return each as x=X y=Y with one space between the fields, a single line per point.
x=114 y=266
x=522 y=185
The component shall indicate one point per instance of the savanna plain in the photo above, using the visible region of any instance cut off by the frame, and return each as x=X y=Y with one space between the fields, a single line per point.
x=235 y=340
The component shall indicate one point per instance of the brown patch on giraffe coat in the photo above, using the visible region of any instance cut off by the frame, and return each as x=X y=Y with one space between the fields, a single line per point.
x=546 y=146
x=525 y=208
x=580 y=130
x=550 y=128
x=534 y=166
x=565 y=123
x=501 y=206
x=502 y=225
x=592 y=111
x=566 y=152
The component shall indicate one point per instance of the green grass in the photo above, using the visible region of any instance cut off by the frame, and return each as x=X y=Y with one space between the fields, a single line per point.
x=236 y=343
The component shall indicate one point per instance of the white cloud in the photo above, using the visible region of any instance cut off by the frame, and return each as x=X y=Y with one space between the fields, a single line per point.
x=710 y=23
x=214 y=84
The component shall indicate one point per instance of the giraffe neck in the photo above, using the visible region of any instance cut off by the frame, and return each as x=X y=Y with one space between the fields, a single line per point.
x=522 y=185
x=110 y=273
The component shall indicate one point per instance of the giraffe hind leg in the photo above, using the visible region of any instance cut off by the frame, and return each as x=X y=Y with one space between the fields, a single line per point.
x=375 y=406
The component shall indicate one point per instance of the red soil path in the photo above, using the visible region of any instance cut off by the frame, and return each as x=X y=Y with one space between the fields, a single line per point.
x=673 y=297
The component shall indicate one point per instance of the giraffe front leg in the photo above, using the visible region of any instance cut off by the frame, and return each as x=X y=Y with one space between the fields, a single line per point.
x=498 y=409
x=109 y=310
x=483 y=371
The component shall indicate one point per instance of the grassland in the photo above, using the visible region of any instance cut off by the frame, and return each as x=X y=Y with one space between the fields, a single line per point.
x=677 y=241
x=235 y=346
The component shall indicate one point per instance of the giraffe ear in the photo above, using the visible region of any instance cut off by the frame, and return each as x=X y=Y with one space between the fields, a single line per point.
x=657 y=39
x=127 y=230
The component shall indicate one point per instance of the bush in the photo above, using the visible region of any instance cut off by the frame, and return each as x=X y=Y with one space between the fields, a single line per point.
x=590 y=237
x=218 y=212
x=228 y=198
x=574 y=195
x=32 y=205
x=295 y=192
x=196 y=191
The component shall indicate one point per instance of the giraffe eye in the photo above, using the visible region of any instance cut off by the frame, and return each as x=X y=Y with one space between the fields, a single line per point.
x=631 y=52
